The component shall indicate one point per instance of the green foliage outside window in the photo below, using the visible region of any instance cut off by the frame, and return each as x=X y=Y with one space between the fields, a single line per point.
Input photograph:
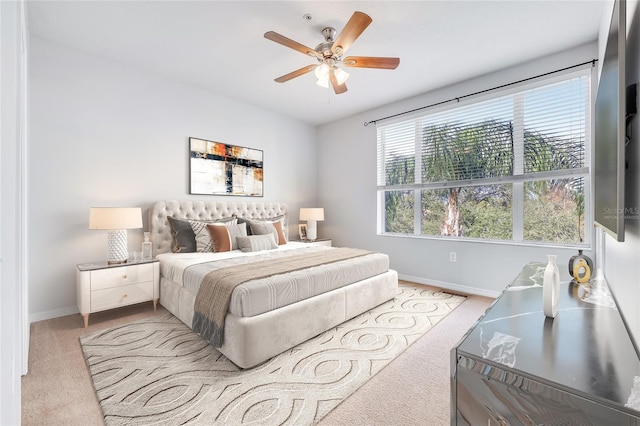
x=554 y=209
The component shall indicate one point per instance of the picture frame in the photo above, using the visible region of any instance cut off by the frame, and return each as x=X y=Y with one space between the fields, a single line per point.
x=302 y=231
x=218 y=168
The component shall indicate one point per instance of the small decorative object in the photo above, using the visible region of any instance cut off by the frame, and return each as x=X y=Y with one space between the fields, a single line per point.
x=221 y=169
x=302 y=230
x=116 y=220
x=551 y=287
x=580 y=267
x=146 y=247
x=312 y=216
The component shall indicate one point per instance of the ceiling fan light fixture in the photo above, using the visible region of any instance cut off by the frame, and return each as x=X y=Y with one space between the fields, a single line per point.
x=341 y=75
x=323 y=83
x=322 y=72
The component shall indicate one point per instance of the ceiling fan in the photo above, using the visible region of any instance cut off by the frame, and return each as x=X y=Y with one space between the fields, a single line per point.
x=329 y=54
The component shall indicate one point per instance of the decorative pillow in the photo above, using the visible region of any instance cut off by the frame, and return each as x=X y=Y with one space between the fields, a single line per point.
x=279 y=225
x=270 y=219
x=184 y=237
x=262 y=227
x=204 y=244
x=202 y=236
x=184 y=240
x=245 y=221
x=257 y=243
x=224 y=236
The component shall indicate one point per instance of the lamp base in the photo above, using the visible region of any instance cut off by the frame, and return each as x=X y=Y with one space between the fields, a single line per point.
x=312 y=230
x=117 y=247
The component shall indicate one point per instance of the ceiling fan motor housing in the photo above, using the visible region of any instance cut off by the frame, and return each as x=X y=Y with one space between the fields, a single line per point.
x=325 y=48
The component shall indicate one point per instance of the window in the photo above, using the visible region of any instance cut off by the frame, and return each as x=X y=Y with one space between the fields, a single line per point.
x=514 y=167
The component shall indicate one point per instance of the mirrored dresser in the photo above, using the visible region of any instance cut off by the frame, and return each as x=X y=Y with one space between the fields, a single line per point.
x=517 y=367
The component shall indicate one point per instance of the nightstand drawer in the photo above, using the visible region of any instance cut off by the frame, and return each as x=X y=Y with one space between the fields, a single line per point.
x=125 y=275
x=121 y=296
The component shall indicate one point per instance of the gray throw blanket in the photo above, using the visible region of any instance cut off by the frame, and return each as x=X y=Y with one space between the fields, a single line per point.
x=214 y=295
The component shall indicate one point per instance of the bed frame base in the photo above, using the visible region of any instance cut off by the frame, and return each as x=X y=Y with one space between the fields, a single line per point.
x=250 y=341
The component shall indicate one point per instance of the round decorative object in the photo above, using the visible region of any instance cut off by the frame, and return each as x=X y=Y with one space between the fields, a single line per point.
x=584 y=264
x=581 y=271
x=551 y=287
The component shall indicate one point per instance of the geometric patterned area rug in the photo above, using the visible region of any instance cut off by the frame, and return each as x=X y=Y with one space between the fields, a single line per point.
x=157 y=371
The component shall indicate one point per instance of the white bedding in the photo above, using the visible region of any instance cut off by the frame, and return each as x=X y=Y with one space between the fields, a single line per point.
x=256 y=297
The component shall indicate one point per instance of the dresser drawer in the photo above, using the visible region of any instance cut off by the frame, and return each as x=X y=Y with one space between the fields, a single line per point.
x=125 y=275
x=121 y=296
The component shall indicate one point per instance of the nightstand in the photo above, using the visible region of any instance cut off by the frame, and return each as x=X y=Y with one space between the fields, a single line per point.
x=318 y=242
x=101 y=286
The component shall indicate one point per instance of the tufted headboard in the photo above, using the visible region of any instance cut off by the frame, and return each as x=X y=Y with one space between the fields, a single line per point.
x=204 y=210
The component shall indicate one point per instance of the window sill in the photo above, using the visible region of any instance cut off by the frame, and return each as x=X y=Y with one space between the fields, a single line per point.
x=575 y=246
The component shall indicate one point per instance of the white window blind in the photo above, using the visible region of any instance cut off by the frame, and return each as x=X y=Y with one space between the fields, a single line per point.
x=530 y=146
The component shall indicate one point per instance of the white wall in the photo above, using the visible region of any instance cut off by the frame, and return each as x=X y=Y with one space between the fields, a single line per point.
x=13 y=141
x=104 y=134
x=347 y=191
x=622 y=267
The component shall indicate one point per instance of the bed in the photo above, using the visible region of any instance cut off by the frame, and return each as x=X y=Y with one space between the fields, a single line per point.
x=270 y=317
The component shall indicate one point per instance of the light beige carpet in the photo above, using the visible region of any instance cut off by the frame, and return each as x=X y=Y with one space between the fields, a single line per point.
x=157 y=371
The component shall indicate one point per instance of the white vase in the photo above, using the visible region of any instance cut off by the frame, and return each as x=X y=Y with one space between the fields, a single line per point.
x=551 y=287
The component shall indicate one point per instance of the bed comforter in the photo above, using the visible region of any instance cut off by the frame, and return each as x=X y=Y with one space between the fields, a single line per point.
x=214 y=294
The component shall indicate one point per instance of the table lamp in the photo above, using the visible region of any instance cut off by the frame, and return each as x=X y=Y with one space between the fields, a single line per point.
x=116 y=220
x=312 y=216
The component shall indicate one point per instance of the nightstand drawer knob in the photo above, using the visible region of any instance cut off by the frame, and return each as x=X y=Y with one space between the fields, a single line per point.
x=124 y=276
x=124 y=296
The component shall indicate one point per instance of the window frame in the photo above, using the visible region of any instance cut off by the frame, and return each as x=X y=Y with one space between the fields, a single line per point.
x=517 y=180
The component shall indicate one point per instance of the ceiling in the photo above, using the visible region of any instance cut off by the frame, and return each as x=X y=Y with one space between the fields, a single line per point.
x=219 y=45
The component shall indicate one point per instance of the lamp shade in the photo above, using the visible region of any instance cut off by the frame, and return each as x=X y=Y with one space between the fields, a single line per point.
x=312 y=214
x=113 y=218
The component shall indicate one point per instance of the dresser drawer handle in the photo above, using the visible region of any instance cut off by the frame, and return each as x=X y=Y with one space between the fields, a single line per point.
x=124 y=276
x=124 y=296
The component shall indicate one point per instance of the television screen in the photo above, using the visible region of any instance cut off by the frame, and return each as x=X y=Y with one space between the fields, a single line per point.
x=609 y=144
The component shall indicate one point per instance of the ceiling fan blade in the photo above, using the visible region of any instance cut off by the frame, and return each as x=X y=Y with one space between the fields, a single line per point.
x=357 y=24
x=338 y=88
x=296 y=73
x=371 y=62
x=280 y=39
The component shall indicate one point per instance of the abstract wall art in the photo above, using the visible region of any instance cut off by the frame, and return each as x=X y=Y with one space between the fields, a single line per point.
x=218 y=168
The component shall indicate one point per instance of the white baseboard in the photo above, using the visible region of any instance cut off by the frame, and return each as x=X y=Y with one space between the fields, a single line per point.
x=450 y=286
x=41 y=316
